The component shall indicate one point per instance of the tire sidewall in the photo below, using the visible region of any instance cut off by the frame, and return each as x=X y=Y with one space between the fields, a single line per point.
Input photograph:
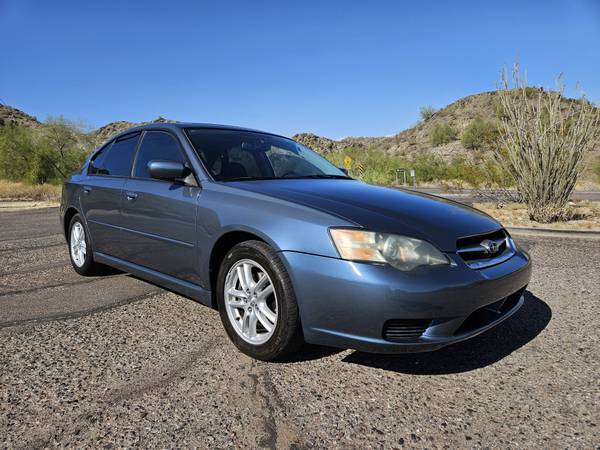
x=287 y=310
x=88 y=264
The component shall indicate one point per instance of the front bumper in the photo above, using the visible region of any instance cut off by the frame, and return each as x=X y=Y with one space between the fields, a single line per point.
x=348 y=304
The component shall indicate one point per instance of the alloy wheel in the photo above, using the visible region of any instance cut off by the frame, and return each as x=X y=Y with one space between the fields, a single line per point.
x=77 y=244
x=251 y=301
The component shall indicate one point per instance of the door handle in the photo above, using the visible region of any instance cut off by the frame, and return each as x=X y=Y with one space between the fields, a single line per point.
x=131 y=195
x=87 y=189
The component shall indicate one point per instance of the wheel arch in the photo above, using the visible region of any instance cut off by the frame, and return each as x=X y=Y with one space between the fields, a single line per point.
x=222 y=245
x=69 y=213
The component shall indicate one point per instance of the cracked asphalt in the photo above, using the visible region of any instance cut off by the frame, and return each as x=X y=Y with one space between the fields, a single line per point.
x=116 y=362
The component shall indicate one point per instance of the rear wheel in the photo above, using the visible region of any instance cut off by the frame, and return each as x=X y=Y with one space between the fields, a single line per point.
x=257 y=303
x=80 y=248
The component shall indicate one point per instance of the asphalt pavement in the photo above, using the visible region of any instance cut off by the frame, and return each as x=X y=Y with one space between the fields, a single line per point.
x=112 y=361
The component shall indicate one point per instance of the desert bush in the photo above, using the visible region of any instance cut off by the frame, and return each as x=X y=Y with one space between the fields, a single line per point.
x=443 y=134
x=49 y=154
x=479 y=134
x=543 y=143
x=380 y=168
x=17 y=152
x=11 y=190
x=426 y=112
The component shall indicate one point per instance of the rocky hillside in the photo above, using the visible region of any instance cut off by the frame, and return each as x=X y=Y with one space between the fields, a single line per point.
x=10 y=115
x=417 y=140
x=108 y=130
x=409 y=143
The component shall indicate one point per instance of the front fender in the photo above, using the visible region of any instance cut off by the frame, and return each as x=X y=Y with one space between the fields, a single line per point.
x=284 y=225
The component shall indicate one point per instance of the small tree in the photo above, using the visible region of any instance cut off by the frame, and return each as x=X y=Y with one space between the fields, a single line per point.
x=426 y=112
x=479 y=133
x=62 y=145
x=443 y=134
x=544 y=138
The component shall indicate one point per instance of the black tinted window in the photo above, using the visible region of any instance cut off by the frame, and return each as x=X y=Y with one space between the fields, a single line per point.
x=159 y=146
x=96 y=164
x=116 y=160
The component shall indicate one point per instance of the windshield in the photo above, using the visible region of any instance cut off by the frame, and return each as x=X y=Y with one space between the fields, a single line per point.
x=232 y=155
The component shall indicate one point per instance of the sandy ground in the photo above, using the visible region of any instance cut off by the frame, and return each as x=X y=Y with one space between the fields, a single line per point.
x=586 y=216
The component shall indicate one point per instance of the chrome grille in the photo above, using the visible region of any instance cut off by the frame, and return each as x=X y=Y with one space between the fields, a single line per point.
x=485 y=250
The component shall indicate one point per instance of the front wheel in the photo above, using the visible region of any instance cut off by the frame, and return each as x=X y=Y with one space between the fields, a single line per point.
x=256 y=301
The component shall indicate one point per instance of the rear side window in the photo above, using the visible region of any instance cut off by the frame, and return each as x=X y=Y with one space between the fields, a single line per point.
x=118 y=160
x=115 y=159
x=156 y=146
x=95 y=167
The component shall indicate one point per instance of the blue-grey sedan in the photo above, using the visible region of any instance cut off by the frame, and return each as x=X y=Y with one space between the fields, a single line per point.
x=286 y=246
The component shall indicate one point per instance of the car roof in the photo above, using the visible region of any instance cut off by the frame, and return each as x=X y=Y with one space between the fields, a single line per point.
x=182 y=125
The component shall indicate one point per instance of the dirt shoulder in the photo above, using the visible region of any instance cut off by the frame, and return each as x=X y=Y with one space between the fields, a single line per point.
x=9 y=206
x=11 y=191
x=585 y=216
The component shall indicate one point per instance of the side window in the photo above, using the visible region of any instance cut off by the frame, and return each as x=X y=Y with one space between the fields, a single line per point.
x=116 y=159
x=95 y=167
x=117 y=162
x=156 y=145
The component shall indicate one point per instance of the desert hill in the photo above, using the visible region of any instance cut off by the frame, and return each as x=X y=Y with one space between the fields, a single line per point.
x=411 y=142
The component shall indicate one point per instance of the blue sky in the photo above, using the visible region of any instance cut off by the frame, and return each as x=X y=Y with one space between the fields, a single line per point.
x=336 y=68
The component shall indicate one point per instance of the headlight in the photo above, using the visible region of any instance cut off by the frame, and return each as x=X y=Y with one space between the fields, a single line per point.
x=401 y=252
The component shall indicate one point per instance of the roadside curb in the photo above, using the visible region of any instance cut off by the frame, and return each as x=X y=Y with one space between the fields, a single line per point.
x=547 y=232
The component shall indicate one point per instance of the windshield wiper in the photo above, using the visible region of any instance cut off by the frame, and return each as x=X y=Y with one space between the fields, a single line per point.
x=323 y=176
x=251 y=178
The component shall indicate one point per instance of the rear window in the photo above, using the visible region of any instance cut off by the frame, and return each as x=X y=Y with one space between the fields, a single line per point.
x=115 y=159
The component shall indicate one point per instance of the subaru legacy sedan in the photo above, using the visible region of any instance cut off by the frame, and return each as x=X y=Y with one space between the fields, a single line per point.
x=286 y=246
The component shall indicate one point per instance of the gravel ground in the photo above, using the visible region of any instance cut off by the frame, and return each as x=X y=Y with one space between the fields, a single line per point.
x=116 y=362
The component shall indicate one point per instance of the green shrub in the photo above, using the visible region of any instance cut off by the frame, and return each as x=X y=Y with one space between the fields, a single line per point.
x=380 y=168
x=17 y=153
x=426 y=112
x=443 y=134
x=38 y=156
x=596 y=169
x=479 y=133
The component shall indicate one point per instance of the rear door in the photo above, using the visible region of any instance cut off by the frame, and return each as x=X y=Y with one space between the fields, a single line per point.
x=159 y=217
x=101 y=195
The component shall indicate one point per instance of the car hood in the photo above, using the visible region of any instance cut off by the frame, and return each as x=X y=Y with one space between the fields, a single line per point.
x=439 y=221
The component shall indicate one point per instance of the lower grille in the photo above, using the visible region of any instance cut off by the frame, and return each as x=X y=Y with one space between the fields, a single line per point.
x=490 y=313
x=402 y=329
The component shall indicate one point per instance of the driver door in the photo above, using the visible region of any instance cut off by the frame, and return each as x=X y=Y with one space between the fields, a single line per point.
x=159 y=217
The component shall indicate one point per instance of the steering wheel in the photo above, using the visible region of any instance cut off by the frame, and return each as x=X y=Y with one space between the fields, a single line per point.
x=288 y=173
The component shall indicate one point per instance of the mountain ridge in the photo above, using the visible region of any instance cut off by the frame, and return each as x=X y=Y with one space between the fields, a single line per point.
x=411 y=142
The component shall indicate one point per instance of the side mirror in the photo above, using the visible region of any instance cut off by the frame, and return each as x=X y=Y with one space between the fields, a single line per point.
x=343 y=169
x=168 y=170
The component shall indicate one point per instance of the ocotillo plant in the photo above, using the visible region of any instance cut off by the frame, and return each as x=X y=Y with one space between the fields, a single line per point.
x=543 y=140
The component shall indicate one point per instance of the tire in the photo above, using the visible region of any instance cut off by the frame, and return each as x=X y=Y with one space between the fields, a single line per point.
x=86 y=265
x=285 y=335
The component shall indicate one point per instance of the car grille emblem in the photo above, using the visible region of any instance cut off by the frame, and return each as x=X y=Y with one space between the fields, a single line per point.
x=489 y=247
